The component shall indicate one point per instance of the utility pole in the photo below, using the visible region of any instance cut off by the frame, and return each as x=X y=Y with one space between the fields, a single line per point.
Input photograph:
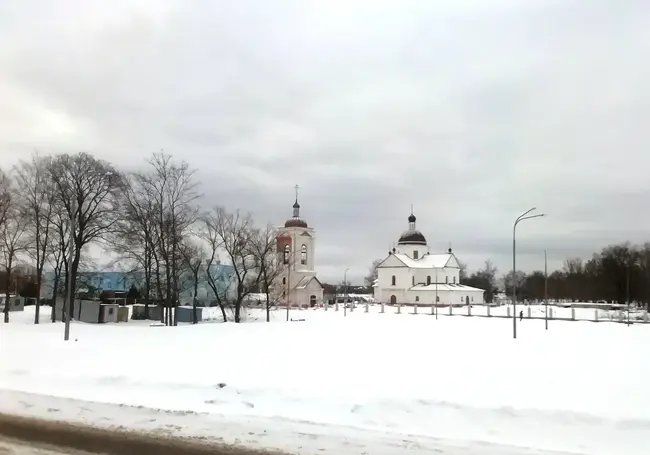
x=436 y=294
x=522 y=217
x=345 y=295
x=545 y=292
x=288 y=283
x=68 y=301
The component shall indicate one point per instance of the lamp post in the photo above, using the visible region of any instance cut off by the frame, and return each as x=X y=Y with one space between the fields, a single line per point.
x=68 y=301
x=522 y=217
x=345 y=292
x=545 y=293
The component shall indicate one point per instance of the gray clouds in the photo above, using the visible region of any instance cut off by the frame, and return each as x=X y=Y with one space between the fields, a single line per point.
x=471 y=110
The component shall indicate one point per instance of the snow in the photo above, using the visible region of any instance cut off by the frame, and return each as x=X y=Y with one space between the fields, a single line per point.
x=366 y=383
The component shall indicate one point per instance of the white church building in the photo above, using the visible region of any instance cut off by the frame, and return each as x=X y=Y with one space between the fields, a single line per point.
x=412 y=275
x=297 y=284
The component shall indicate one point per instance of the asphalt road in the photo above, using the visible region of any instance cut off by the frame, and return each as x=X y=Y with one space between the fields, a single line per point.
x=26 y=436
x=13 y=447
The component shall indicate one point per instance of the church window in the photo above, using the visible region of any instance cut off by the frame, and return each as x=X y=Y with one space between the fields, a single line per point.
x=446 y=280
x=417 y=298
x=287 y=250
x=303 y=255
x=392 y=280
x=429 y=279
x=437 y=299
x=454 y=280
x=472 y=298
x=415 y=254
x=413 y=280
x=284 y=280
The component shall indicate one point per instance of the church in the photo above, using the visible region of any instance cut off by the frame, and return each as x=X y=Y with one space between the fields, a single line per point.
x=412 y=275
x=297 y=285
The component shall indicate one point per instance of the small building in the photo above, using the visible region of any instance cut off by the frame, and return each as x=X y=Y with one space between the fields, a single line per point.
x=16 y=303
x=412 y=275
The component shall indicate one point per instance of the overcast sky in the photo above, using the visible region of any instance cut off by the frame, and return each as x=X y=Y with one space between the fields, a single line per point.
x=472 y=111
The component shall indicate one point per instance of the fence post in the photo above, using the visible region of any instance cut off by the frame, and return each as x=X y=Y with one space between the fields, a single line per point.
x=351 y=307
x=469 y=310
x=451 y=310
x=550 y=313
x=325 y=304
x=488 y=311
x=573 y=314
x=399 y=308
x=433 y=309
x=596 y=315
x=367 y=306
x=336 y=306
x=529 y=312
x=382 y=307
x=415 y=309
x=645 y=316
x=508 y=312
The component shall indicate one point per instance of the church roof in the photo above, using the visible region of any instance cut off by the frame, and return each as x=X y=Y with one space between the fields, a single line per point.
x=304 y=282
x=428 y=261
x=444 y=287
x=412 y=237
x=295 y=222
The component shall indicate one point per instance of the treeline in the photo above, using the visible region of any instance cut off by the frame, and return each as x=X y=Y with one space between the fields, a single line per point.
x=617 y=274
x=53 y=207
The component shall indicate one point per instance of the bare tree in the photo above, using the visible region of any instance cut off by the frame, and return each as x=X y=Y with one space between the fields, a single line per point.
x=372 y=273
x=36 y=197
x=235 y=234
x=12 y=243
x=214 y=273
x=133 y=238
x=269 y=265
x=193 y=259
x=58 y=251
x=170 y=189
x=89 y=191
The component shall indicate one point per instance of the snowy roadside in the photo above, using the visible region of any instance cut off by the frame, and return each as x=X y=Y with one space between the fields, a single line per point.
x=296 y=437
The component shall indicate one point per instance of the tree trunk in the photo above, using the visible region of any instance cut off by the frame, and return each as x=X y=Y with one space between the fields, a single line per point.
x=268 y=307
x=39 y=283
x=8 y=281
x=57 y=277
x=196 y=292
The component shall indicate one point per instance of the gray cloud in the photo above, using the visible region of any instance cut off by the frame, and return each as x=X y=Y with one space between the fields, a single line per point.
x=472 y=111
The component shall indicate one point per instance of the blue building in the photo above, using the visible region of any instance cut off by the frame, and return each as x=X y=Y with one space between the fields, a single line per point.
x=123 y=281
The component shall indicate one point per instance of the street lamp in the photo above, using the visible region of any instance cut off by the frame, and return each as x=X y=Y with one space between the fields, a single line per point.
x=522 y=217
x=345 y=293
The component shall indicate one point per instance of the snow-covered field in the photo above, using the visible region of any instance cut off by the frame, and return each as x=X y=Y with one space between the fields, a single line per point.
x=367 y=383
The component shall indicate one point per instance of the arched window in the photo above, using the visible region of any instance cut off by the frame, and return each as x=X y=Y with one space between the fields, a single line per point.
x=287 y=251
x=446 y=280
x=284 y=280
x=429 y=280
x=415 y=254
x=454 y=280
x=417 y=298
x=303 y=254
x=392 y=280
x=413 y=280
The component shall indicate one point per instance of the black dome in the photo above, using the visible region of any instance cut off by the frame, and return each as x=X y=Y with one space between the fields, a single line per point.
x=411 y=218
x=296 y=205
x=412 y=237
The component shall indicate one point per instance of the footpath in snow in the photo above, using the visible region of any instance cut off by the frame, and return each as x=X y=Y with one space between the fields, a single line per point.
x=369 y=383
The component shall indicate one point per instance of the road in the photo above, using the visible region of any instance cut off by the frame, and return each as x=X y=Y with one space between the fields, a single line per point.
x=12 y=447
x=27 y=436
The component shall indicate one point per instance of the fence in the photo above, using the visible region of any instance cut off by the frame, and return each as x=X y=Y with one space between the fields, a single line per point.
x=556 y=313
